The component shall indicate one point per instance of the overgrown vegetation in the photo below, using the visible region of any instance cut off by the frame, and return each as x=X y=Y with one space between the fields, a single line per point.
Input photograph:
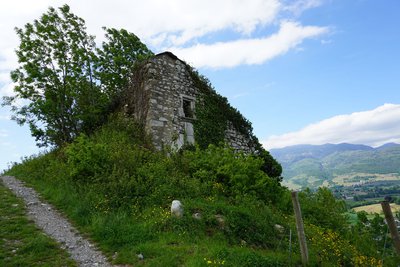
x=66 y=84
x=213 y=112
x=21 y=243
x=118 y=190
x=213 y=117
x=104 y=174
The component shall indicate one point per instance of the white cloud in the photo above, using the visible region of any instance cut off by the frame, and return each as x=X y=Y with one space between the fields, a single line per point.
x=248 y=51
x=174 y=23
x=182 y=20
x=299 y=6
x=374 y=127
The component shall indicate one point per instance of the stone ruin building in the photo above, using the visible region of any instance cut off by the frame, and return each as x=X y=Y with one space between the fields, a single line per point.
x=163 y=99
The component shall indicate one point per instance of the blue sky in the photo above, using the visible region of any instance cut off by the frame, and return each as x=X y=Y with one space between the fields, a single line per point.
x=302 y=71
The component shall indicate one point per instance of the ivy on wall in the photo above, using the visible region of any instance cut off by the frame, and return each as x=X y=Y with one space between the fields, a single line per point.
x=213 y=116
x=214 y=113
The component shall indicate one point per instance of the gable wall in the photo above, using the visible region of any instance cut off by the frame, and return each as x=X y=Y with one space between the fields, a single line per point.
x=171 y=81
x=158 y=104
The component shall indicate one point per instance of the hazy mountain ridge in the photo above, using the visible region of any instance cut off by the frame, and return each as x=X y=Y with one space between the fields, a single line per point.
x=292 y=154
x=314 y=165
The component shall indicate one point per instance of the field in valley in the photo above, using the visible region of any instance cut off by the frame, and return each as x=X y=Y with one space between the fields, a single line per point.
x=376 y=208
x=357 y=178
x=350 y=179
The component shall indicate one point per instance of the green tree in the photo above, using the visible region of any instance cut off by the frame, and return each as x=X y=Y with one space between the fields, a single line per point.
x=270 y=166
x=323 y=209
x=117 y=58
x=66 y=85
x=362 y=217
x=55 y=78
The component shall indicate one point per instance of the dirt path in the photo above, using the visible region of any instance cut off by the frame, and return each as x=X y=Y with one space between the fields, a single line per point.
x=52 y=223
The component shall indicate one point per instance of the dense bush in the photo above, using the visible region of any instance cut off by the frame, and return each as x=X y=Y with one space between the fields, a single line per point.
x=232 y=174
x=329 y=246
x=130 y=171
x=214 y=115
x=323 y=209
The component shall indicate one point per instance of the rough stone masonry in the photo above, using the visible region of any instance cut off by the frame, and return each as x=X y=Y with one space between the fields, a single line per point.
x=164 y=99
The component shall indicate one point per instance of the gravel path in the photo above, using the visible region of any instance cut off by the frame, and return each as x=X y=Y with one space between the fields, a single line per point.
x=52 y=223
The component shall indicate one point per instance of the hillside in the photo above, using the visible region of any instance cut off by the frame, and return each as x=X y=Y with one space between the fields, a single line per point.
x=118 y=191
x=330 y=164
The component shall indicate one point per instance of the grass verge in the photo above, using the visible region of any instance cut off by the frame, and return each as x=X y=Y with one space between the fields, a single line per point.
x=21 y=243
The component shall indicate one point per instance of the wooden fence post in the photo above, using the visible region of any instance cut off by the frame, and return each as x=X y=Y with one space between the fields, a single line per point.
x=300 y=228
x=391 y=224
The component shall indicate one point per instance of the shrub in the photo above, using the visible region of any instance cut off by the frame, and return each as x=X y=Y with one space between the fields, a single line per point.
x=232 y=174
x=329 y=246
x=322 y=208
x=114 y=163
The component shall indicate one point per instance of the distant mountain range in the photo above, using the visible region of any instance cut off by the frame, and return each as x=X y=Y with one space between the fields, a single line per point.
x=337 y=164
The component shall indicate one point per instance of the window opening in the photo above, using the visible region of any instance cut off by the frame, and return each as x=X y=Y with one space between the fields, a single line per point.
x=187 y=108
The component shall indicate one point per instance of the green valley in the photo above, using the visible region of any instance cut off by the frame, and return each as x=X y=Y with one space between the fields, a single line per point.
x=338 y=165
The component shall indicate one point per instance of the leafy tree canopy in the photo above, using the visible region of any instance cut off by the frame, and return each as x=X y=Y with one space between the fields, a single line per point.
x=115 y=59
x=64 y=84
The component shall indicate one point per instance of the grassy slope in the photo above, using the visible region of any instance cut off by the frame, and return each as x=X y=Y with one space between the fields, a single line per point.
x=166 y=241
x=119 y=194
x=21 y=243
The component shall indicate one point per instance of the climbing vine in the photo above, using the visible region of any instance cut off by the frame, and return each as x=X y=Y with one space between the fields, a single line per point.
x=214 y=114
x=135 y=98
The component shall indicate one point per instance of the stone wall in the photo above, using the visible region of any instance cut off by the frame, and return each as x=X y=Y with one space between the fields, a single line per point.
x=238 y=141
x=164 y=98
x=168 y=85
